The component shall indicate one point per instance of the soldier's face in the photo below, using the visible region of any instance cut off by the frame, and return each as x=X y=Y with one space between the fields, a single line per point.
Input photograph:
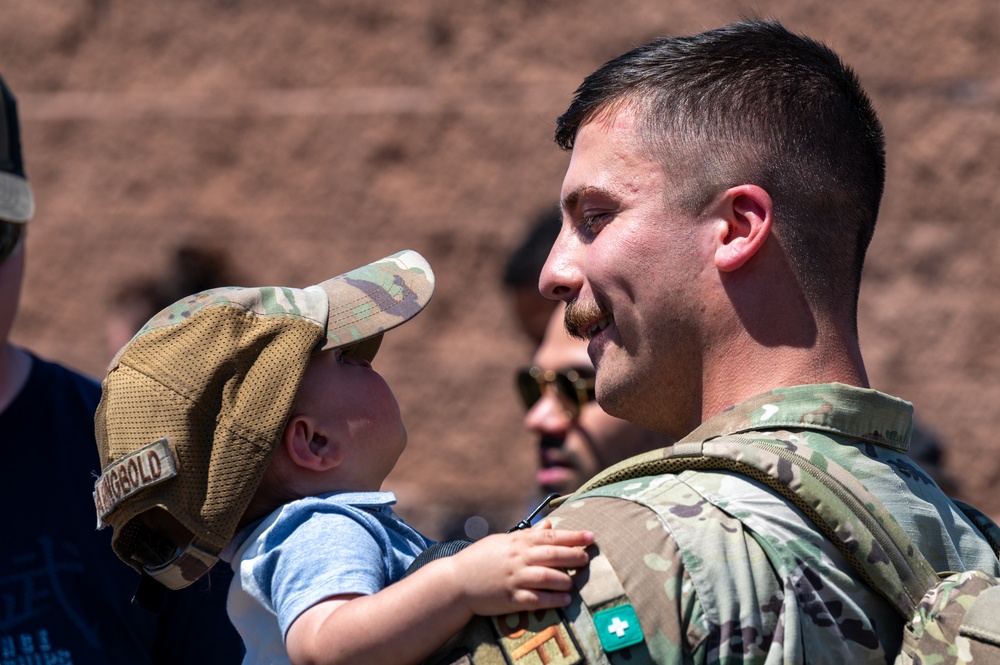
x=631 y=264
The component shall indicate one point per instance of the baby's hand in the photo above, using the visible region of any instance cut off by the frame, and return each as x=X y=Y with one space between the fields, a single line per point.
x=519 y=571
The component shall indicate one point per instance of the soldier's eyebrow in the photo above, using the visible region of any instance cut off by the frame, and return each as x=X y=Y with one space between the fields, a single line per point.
x=572 y=199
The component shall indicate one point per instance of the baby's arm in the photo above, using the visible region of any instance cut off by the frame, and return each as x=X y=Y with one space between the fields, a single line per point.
x=408 y=620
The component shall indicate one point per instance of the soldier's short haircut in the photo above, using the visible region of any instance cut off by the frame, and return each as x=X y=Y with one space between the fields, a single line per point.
x=753 y=103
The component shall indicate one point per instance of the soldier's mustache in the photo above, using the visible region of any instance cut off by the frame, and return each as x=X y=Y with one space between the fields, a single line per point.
x=579 y=316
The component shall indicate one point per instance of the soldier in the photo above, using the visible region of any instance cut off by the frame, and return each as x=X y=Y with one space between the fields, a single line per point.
x=720 y=197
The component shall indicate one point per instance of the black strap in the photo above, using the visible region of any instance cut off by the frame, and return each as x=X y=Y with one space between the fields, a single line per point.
x=437 y=551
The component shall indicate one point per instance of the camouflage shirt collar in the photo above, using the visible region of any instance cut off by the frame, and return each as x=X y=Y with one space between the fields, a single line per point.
x=859 y=413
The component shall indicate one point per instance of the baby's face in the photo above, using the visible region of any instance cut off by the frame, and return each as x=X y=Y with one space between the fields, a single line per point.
x=356 y=407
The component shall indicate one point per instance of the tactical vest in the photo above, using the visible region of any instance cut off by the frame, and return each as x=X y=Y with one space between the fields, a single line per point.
x=948 y=617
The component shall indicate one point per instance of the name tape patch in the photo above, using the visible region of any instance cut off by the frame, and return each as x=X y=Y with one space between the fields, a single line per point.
x=143 y=468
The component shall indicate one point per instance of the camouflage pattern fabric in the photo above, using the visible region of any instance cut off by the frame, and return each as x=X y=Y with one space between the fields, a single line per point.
x=949 y=619
x=720 y=569
x=948 y=628
x=375 y=297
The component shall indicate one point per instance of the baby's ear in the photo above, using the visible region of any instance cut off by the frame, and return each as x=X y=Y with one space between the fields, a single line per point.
x=308 y=447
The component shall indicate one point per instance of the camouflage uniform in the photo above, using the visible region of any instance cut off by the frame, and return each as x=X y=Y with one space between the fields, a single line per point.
x=718 y=568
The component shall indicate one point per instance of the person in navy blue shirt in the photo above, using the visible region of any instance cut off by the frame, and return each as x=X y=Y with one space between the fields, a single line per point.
x=67 y=599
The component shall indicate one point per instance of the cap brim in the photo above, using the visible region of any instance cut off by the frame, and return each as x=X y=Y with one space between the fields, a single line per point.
x=366 y=349
x=16 y=201
x=368 y=301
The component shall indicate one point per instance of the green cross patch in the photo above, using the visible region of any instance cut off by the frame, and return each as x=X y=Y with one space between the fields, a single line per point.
x=618 y=627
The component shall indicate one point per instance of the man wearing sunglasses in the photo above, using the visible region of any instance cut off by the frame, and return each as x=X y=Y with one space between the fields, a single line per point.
x=67 y=597
x=577 y=439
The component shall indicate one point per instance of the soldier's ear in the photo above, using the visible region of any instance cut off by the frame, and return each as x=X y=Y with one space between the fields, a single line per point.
x=744 y=215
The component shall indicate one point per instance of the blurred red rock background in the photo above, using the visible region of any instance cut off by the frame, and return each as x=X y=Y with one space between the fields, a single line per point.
x=307 y=137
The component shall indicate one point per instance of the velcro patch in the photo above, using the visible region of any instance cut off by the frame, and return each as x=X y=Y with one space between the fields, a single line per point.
x=540 y=637
x=618 y=628
x=143 y=468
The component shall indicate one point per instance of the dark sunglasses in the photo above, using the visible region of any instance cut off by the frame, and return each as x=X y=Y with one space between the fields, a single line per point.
x=10 y=236
x=575 y=385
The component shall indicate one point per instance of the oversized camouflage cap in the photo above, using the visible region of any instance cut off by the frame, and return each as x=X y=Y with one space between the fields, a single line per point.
x=16 y=201
x=195 y=403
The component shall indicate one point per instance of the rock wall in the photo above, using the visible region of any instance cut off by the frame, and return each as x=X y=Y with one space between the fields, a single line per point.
x=304 y=138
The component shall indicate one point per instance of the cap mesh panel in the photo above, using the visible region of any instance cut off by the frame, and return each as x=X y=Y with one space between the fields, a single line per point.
x=220 y=385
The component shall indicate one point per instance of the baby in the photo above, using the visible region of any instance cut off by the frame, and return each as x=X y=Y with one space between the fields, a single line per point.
x=248 y=424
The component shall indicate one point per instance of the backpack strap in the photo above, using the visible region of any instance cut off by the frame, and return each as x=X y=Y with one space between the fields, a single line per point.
x=837 y=503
